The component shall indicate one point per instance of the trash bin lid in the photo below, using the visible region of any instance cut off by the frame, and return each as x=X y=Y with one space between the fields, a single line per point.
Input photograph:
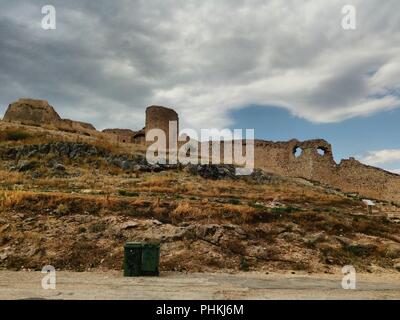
x=133 y=245
x=151 y=245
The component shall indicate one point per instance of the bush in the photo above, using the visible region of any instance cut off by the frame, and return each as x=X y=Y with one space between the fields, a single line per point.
x=125 y=193
x=288 y=209
x=16 y=135
x=361 y=250
x=256 y=205
x=97 y=227
x=234 y=201
x=61 y=210
x=82 y=230
x=244 y=265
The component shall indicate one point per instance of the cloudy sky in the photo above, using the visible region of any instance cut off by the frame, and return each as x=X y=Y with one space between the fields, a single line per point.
x=286 y=68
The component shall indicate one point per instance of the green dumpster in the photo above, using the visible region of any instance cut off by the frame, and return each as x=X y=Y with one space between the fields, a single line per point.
x=141 y=259
x=150 y=259
x=132 y=259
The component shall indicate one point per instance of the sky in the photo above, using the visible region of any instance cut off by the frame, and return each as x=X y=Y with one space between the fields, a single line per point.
x=286 y=68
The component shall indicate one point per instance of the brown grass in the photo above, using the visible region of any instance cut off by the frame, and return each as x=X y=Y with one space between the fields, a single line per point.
x=174 y=197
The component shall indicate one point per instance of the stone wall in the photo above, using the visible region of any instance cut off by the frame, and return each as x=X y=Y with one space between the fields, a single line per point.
x=120 y=135
x=353 y=176
x=75 y=126
x=139 y=137
x=314 y=161
x=295 y=158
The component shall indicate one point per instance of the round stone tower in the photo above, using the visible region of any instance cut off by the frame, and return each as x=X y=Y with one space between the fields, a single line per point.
x=158 y=117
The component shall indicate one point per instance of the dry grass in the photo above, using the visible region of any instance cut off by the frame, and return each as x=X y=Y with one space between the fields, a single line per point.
x=276 y=217
x=185 y=211
x=39 y=135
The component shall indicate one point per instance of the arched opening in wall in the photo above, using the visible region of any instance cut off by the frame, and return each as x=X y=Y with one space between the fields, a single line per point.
x=297 y=151
x=321 y=151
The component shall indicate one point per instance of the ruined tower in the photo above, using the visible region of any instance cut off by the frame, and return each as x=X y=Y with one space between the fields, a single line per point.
x=158 y=117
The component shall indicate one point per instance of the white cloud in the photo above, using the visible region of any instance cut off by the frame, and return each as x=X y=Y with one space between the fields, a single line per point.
x=107 y=61
x=379 y=157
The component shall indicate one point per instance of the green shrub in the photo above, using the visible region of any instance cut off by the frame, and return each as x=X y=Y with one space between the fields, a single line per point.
x=287 y=209
x=234 y=201
x=61 y=210
x=244 y=265
x=97 y=227
x=360 y=250
x=82 y=230
x=16 y=135
x=256 y=205
x=125 y=193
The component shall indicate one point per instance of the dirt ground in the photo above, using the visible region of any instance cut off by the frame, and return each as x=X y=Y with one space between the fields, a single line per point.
x=173 y=285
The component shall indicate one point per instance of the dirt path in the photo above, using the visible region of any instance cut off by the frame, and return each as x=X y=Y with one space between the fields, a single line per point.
x=111 y=285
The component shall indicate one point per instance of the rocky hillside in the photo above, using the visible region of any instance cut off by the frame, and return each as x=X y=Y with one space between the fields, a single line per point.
x=74 y=204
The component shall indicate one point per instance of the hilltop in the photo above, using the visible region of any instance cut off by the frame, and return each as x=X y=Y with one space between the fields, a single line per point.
x=72 y=201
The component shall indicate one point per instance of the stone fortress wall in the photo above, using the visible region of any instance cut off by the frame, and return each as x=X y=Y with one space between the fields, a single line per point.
x=312 y=159
x=120 y=135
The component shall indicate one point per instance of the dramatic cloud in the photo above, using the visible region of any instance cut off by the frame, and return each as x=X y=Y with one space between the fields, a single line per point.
x=108 y=60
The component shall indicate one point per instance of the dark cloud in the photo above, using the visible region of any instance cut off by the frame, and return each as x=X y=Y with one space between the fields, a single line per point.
x=108 y=60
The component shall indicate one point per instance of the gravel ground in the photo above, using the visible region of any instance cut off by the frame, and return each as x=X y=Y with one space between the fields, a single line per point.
x=112 y=285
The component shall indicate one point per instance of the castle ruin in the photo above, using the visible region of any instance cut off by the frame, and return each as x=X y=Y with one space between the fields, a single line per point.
x=158 y=117
x=312 y=159
x=40 y=113
x=126 y=135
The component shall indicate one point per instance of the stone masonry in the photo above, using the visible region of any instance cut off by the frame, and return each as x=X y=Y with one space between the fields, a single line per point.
x=312 y=159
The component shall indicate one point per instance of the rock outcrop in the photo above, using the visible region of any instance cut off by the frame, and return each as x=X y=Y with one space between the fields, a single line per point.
x=31 y=112
x=40 y=113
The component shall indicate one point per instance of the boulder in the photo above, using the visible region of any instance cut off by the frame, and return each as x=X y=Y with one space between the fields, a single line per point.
x=26 y=165
x=212 y=171
x=396 y=264
x=59 y=167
